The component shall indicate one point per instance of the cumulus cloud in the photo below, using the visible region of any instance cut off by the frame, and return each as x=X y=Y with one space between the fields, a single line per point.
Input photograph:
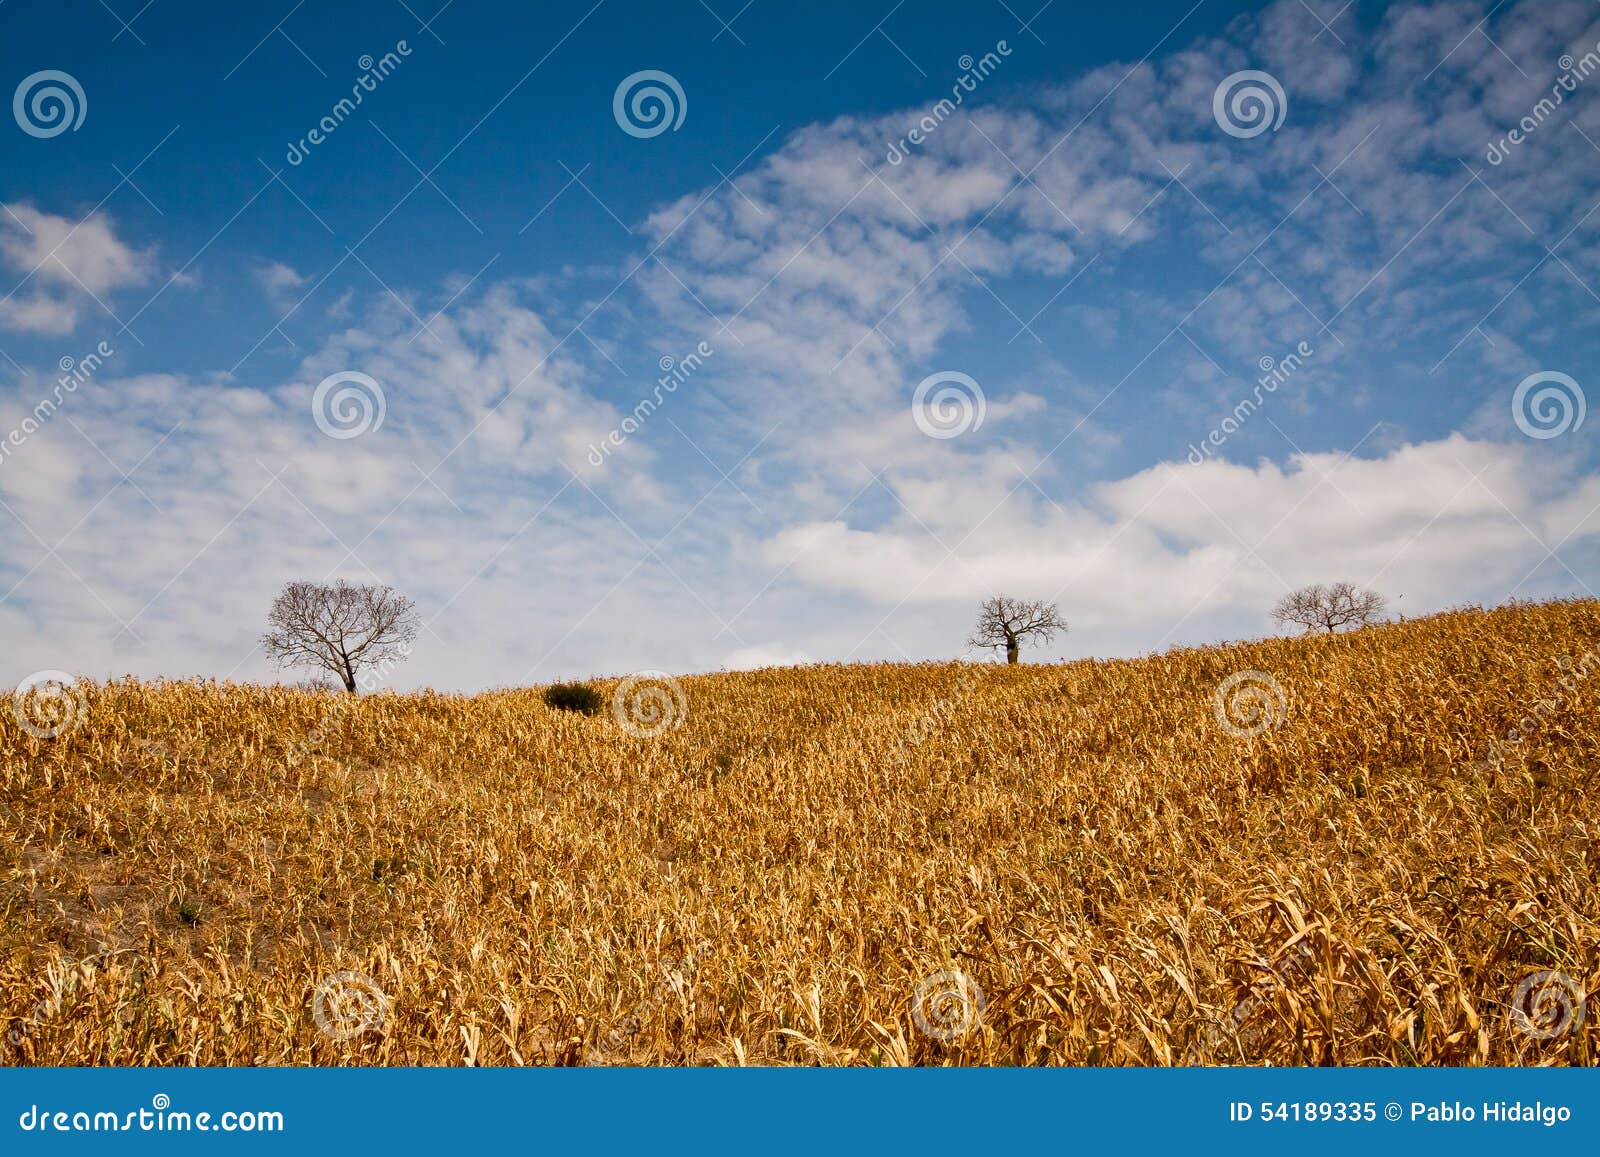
x=230 y=491
x=1107 y=264
x=1438 y=523
x=64 y=267
x=280 y=283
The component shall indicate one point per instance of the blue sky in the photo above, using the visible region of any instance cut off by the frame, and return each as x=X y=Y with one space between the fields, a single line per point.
x=1097 y=249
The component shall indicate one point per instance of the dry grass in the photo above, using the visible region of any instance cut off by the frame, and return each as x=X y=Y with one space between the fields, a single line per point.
x=1125 y=881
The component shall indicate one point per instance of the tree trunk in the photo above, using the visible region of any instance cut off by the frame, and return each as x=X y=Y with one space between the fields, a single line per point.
x=348 y=674
x=1011 y=649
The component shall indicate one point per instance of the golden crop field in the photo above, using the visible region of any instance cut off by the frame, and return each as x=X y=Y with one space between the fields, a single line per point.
x=1096 y=862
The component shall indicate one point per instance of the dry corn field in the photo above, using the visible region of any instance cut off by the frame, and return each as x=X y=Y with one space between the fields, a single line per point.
x=1158 y=861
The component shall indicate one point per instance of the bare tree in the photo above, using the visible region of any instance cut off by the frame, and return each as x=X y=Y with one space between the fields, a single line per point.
x=1327 y=608
x=342 y=628
x=1007 y=622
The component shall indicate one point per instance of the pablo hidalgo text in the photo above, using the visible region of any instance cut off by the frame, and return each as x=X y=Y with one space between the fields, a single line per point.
x=1493 y=1112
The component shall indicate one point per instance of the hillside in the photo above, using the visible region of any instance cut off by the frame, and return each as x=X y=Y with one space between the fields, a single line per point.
x=1126 y=875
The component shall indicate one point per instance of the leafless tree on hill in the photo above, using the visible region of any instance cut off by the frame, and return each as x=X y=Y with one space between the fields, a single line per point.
x=1007 y=622
x=1328 y=608
x=342 y=628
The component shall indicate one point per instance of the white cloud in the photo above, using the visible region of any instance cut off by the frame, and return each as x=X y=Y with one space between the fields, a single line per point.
x=64 y=266
x=237 y=491
x=41 y=313
x=771 y=655
x=837 y=282
x=1438 y=523
x=279 y=283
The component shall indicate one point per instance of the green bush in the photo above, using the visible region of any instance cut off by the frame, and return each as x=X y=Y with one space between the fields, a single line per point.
x=579 y=697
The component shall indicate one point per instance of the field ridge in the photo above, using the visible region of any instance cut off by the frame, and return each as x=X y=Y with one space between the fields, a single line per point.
x=1356 y=854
